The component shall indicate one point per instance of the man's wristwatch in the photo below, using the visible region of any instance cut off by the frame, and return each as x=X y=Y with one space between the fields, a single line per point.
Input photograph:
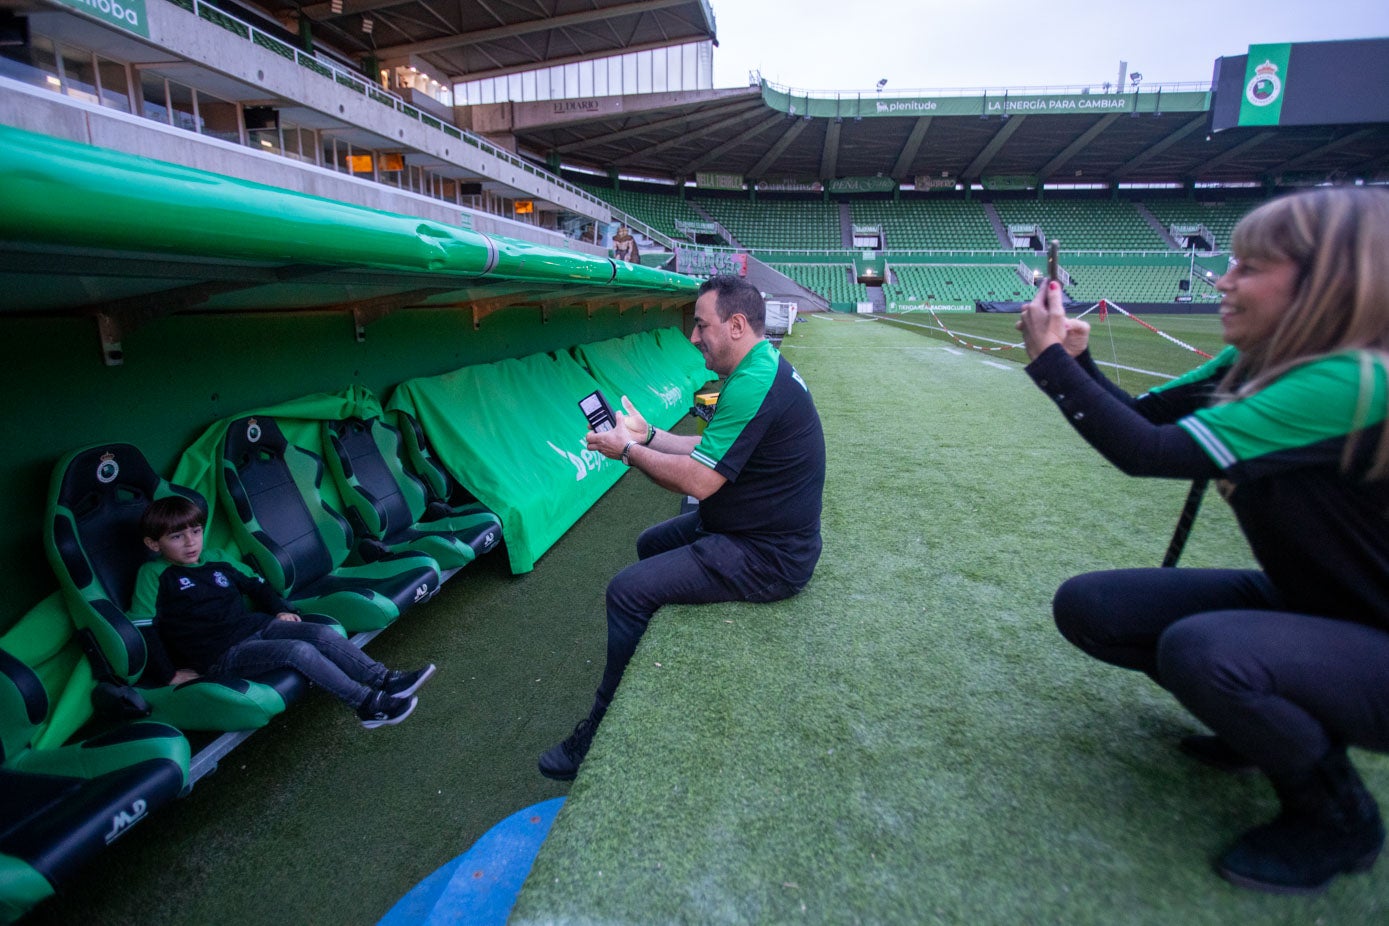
x=625 y=448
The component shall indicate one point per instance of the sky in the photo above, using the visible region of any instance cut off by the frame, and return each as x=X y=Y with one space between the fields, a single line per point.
x=931 y=44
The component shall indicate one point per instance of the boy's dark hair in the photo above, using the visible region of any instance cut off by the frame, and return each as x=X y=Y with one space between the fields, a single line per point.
x=736 y=296
x=169 y=514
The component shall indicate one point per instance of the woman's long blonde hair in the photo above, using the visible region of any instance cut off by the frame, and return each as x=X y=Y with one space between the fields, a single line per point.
x=1339 y=239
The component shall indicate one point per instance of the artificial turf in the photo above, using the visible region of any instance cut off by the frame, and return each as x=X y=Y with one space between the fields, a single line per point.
x=909 y=740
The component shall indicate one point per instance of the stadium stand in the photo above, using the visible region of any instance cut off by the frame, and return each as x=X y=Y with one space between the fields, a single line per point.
x=1133 y=283
x=1219 y=216
x=955 y=284
x=833 y=281
x=778 y=223
x=659 y=210
x=934 y=224
x=1085 y=224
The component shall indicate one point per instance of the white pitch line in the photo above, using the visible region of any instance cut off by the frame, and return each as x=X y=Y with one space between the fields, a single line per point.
x=951 y=350
x=1001 y=366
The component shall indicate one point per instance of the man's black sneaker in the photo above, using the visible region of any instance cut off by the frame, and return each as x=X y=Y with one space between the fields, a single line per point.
x=562 y=760
x=1215 y=752
x=381 y=709
x=404 y=684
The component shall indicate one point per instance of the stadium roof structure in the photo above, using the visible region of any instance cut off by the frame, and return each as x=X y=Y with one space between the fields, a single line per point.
x=471 y=41
x=1007 y=138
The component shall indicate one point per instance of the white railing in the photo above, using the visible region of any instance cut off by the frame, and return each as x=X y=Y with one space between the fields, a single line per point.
x=1096 y=88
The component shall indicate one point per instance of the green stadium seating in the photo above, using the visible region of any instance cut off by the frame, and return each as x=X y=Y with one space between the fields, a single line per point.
x=833 y=281
x=1219 y=217
x=955 y=284
x=659 y=210
x=936 y=224
x=775 y=223
x=1085 y=225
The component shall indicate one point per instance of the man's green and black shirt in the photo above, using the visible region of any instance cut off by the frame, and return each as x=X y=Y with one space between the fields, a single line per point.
x=765 y=439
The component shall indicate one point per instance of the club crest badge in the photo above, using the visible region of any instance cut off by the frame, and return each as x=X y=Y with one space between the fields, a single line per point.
x=253 y=431
x=1264 y=87
x=107 y=469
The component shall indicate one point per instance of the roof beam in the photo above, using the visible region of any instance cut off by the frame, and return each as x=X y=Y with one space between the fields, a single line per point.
x=829 y=154
x=1075 y=147
x=982 y=159
x=682 y=120
x=1152 y=151
x=686 y=139
x=1327 y=148
x=732 y=143
x=1248 y=144
x=525 y=28
x=907 y=155
x=765 y=163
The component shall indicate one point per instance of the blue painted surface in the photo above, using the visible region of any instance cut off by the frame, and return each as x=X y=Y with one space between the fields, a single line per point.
x=479 y=887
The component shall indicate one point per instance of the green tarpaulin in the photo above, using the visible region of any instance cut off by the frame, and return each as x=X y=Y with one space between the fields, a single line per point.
x=513 y=434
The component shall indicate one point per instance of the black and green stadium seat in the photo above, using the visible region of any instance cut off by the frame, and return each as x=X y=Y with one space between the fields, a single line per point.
x=272 y=490
x=389 y=504
x=92 y=538
x=60 y=807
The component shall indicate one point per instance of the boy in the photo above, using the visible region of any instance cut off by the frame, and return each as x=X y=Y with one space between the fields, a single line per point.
x=203 y=621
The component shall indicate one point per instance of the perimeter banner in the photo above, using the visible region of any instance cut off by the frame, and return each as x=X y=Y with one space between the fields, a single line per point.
x=858 y=106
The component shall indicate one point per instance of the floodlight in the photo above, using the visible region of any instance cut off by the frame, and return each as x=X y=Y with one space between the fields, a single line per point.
x=881 y=84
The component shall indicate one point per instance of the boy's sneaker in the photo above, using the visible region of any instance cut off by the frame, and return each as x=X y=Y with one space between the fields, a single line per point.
x=404 y=684
x=561 y=761
x=381 y=709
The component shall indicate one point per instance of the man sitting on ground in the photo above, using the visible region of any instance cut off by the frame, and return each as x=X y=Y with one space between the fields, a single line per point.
x=758 y=471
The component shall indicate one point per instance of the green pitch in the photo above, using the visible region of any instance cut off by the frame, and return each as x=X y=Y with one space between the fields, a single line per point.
x=909 y=741
x=1125 y=350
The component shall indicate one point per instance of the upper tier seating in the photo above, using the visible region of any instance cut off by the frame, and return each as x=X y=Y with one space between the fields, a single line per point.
x=934 y=224
x=773 y=223
x=1219 y=217
x=1085 y=225
x=659 y=210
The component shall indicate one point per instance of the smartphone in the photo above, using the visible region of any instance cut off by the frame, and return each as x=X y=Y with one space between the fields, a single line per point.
x=1053 y=266
x=598 y=412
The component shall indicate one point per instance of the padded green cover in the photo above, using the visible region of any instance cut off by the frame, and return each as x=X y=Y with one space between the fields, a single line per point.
x=659 y=377
x=513 y=434
x=43 y=640
x=21 y=888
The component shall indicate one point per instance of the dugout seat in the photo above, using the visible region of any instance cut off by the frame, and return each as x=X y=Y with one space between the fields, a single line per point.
x=300 y=544
x=61 y=806
x=391 y=505
x=92 y=538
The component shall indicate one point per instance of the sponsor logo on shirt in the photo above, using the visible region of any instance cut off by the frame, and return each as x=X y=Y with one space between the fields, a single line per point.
x=185 y=583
